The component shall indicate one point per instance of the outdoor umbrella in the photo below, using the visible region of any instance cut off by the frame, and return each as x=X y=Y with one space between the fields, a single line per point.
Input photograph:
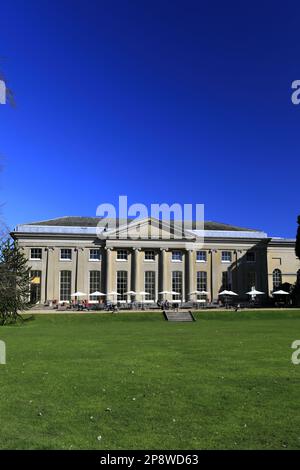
x=203 y=292
x=78 y=294
x=113 y=294
x=175 y=293
x=227 y=292
x=97 y=294
x=253 y=292
x=143 y=294
x=195 y=292
x=164 y=292
x=131 y=293
x=280 y=292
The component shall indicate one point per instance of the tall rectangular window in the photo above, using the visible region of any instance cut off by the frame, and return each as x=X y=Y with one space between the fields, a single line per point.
x=122 y=280
x=226 y=256
x=36 y=253
x=65 y=285
x=35 y=286
x=201 y=281
x=150 y=284
x=66 y=254
x=201 y=256
x=177 y=284
x=95 y=283
x=226 y=280
x=95 y=254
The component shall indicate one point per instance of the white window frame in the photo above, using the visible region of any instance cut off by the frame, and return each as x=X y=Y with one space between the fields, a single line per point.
x=201 y=260
x=153 y=275
x=122 y=259
x=177 y=260
x=36 y=259
x=94 y=259
x=225 y=260
x=65 y=259
x=150 y=260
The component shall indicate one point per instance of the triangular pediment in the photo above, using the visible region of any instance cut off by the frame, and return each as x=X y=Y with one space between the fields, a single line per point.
x=147 y=229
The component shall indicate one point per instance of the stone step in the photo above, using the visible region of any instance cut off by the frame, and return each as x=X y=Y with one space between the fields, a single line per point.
x=179 y=316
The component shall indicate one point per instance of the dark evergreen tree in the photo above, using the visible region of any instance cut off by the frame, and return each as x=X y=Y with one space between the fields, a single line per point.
x=296 y=288
x=14 y=282
x=298 y=239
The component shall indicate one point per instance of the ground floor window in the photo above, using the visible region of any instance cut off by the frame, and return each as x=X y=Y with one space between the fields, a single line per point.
x=35 y=286
x=277 y=278
x=177 y=284
x=150 y=284
x=201 y=281
x=122 y=288
x=95 y=283
x=65 y=285
x=226 y=280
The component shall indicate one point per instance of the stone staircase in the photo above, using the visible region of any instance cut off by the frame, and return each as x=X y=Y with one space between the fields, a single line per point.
x=179 y=316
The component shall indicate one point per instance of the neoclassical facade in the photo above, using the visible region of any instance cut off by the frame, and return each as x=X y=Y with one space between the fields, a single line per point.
x=71 y=254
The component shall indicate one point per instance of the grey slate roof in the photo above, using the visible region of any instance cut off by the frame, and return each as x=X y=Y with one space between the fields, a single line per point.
x=75 y=221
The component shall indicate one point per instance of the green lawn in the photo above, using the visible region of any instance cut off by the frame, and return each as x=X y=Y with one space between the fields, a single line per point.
x=139 y=382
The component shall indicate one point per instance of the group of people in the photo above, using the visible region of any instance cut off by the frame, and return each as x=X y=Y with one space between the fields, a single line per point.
x=166 y=305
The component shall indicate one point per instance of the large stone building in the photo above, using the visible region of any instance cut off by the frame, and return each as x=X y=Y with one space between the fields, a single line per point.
x=72 y=254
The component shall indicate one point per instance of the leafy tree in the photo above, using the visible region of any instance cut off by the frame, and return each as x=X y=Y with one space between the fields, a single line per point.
x=296 y=287
x=298 y=239
x=14 y=282
x=9 y=93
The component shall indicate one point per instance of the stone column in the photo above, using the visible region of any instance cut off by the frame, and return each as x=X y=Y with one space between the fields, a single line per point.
x=46 y=276
x=76 y=270
x=81 y=272
x=136 y=271
x=238 y=278
x=163 y=270
x=189 y=274
x=212 y=275
x=52 y=276
x=108 y=269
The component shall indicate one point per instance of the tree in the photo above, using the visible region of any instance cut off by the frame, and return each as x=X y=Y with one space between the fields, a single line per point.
x=296 y=288
x=14 y=282
x=298 y=239
x=9 y=93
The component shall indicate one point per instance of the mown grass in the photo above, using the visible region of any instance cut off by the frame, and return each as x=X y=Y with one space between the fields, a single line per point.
x=223 y=382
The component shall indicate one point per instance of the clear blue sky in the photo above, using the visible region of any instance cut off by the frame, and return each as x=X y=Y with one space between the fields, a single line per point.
x=165 y=101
